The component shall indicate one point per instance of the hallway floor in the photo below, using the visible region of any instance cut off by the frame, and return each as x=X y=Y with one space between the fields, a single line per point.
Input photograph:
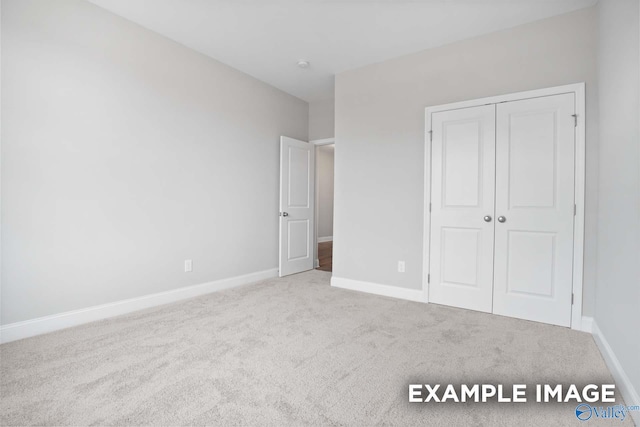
x=325 y=256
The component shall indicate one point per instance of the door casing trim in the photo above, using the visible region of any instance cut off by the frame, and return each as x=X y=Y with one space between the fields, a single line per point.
x=316 y=239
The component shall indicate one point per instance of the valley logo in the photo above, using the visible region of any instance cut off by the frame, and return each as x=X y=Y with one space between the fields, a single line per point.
x=585 y=412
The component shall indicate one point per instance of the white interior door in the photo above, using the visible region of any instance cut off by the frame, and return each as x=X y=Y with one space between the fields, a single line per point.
x=296 y=206
x=462 y=205
x=535 y=148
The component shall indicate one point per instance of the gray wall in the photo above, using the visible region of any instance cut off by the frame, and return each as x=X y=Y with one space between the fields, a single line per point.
x=617 y=309
x=324 y=187
x=123 y=154
x=321 y=119
x=380 y=136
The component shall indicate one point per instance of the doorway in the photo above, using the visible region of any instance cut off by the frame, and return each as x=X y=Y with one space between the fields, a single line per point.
x=325 y=154
x=306 y=205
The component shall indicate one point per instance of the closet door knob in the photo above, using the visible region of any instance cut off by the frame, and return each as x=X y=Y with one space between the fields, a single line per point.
x=487 y=218
x=502 y=219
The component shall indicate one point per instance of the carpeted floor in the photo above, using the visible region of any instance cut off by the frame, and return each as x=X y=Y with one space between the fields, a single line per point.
x=290 y=351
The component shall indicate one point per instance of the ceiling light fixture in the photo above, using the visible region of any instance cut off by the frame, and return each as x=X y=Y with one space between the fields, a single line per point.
x=303 y=64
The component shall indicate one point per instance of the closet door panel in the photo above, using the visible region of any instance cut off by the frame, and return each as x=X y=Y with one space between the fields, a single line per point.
x=535 y=154
x=462 y=195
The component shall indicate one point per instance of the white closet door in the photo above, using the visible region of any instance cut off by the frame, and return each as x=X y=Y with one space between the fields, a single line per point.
x=462 y=204
x=535 y=147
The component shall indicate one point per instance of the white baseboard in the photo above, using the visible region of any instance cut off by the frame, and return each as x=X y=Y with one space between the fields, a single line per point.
x=325 y=239
x=378 y=289
x=42 y=325
x=586 y=325
x=317 y=263
x=623 y=383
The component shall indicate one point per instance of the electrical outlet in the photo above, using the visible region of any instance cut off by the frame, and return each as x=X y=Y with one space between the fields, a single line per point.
x=188 y=265
x=400 y=266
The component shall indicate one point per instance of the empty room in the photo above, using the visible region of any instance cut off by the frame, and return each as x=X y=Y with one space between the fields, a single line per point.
x=320 y=212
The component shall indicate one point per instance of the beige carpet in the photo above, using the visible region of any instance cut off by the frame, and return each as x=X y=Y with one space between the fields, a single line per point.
x=290 y=351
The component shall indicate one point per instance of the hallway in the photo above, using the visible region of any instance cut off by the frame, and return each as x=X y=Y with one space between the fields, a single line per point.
x=325 y=256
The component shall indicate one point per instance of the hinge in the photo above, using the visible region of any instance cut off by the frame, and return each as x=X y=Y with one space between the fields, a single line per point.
x=571 y=299
x=431 y=136
x=429 y=206
x=575 y=209
x=428 y=278
x=575 y=120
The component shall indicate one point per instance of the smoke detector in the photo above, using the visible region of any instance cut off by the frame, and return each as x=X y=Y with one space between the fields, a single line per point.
x=303 y=64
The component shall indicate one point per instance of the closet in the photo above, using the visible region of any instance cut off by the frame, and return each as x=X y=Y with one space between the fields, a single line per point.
x=502 y=207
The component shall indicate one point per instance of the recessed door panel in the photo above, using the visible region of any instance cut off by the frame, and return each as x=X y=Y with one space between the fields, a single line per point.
x=299 y=175
x=298 y=239
x=462 y=194
x=531 y=263
x=461 y=144
x=459 y=252
x=532 y=149
x=535 y=152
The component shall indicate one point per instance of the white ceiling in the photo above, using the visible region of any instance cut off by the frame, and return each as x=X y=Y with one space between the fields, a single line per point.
x=266 y=38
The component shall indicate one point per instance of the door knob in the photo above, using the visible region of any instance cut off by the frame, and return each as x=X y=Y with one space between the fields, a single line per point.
x=285 y=214
x=487 y=218
x=502 y=219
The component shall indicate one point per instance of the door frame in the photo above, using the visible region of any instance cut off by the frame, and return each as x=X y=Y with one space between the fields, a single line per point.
x=317 y=143
x=578 y=89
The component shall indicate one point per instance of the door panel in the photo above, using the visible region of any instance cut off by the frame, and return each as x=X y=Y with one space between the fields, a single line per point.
x=299 y=167
x=296 y=206
x=298 y=239
x=460 y=247
x=531 y=264
x=535 y=150
x=531 y=159
x=461 y=158
x=462 y=193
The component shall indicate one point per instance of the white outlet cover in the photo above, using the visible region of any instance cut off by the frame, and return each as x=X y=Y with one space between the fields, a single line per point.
x=188 y=265
x=401 y=267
